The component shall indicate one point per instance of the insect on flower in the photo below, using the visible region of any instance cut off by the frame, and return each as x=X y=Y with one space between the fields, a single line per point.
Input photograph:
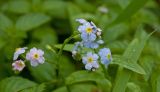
x=35 y=56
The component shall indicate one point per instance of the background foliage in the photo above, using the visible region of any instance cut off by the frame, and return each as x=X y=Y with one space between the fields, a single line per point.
x=127 y=28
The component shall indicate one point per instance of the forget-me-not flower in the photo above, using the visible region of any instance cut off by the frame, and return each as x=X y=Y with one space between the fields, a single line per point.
x=35 y=56
x=105 y=55
x=93 y=44
x=76 y=50
x=18 y=65
x=90 y=61
x=88 y=31
x=77 y=46
x=18 y=52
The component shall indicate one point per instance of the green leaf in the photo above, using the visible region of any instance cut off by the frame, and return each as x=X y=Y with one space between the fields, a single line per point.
x=66 y=64
x=132 y=87
x=79 y=88
x=115 y=32
x=153 y=47
x=55 y=8
x=30 y=21
x=128 y=64
x=15 y=84
x=44 y=72
x=155 y=79
x=158 y=84
x=45 y=35
x=147 y=63
x=130 y=10
x=2 y=42
x=17 y=6
x=39 y=88
x=73 y=10
x=67 y=47
x=124 y=3
x=85 y=76
x=118 y=46
x=131 y=54
x=5 y=22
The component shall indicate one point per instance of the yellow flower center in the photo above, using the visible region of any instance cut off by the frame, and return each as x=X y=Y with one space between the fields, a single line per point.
x=18 y=49
x=108 y=56
x=36 y=56
x=20 y=64
x=89 y=30
x=90 y=59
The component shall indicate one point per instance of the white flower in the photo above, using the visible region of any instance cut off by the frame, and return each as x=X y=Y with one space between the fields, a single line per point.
x=35 y=56
x=18 y=52
x=18 y=65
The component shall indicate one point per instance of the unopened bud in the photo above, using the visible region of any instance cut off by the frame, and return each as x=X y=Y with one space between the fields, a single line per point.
x=99 y=33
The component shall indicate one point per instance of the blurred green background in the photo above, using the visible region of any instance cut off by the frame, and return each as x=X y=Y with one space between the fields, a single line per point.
x=49 y=22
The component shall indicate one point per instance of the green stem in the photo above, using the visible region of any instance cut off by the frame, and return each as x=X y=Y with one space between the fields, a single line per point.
x=58 y=59
x=105 y=71
x=122 y=77
x=64 y=43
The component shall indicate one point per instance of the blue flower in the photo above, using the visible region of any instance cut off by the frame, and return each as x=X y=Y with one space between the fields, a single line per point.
x=92 y=44
x=76 y=49
x=105 y=55
x=77 y=46
x=90 y=61
x=18 y=52
x=88 y=31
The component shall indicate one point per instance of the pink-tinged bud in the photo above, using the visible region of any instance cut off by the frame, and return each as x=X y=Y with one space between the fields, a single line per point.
x=18 y=65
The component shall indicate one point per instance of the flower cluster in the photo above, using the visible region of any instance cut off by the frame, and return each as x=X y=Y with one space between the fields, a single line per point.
x=89 y=47
x=34 y=56
x=90 y=34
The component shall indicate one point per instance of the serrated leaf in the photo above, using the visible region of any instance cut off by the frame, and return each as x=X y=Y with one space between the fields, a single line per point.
x=31 y=21
x=39 y=88
x=5 y=22
x=67 y=47
x=15 y=84
x=85 y=76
